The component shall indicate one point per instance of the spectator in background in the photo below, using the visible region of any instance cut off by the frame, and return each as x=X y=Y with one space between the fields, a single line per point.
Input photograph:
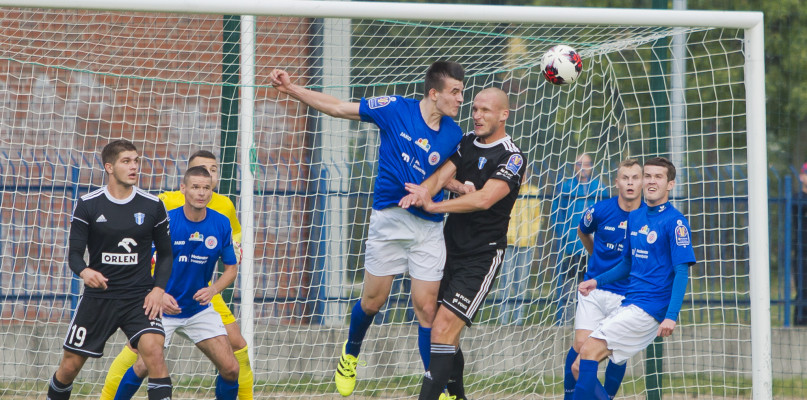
x=572 y=197
x=800 y=245
x=522 y=236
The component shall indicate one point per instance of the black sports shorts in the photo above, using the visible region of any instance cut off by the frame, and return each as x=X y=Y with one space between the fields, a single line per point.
x=96 y=320
x=467 y=280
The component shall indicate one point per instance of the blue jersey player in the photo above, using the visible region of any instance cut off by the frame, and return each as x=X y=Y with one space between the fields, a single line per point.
x=417 y=136
x=657 y=259
x=201 y=237
x=603 y=231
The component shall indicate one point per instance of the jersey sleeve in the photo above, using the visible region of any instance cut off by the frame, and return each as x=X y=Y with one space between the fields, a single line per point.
x=379 y=110
x=161 y=238
x=588 y=221
x=79 y=235
x=681 y=251
x=511 y=168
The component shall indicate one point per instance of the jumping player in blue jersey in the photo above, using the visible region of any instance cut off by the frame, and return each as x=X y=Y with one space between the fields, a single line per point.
x=657 y=259
x=200 y=236
x=603 y=232
x=417 y=136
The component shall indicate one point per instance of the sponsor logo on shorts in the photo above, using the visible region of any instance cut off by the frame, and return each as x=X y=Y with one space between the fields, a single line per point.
x=461 y=301
x=119 y=259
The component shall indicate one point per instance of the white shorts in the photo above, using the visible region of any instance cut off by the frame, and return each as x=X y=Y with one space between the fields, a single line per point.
x=594 y=308
x=627 y=332
x=205 y=325
x=398 y=241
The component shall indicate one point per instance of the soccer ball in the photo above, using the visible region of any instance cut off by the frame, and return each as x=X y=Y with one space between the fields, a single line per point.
x=561 y=65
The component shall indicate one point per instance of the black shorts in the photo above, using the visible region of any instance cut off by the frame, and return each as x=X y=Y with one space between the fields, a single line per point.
x=467 y=281
x=96 y=319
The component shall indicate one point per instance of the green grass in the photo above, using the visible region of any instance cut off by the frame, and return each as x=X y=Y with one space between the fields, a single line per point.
x=703 y=385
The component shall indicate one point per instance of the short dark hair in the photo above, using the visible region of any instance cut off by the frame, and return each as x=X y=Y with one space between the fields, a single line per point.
x=627 y=163
x=663 y=162
x=112 y=150
x=202 y=154
x=196 y=171
x=439 y=71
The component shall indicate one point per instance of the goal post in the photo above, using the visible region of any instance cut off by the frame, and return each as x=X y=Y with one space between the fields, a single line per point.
x=74 y=75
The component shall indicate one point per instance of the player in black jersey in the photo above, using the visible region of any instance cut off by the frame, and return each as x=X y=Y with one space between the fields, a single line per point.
x=475 y=231
x=118 y=224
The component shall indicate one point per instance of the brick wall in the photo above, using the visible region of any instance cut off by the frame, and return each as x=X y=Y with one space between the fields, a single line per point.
x=71 y=81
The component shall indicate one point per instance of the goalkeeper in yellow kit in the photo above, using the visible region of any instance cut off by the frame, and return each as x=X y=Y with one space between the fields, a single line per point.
x=223 y=205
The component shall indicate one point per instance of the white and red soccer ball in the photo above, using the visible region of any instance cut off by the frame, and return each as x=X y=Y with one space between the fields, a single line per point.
x=561 y=65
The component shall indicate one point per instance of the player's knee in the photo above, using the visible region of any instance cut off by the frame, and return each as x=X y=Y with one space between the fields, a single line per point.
x=594 y=349
x=426 y=311
x=230 y=370
x=371 y=306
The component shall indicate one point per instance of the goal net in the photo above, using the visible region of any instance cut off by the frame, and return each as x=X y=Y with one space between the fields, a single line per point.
x=72 y=80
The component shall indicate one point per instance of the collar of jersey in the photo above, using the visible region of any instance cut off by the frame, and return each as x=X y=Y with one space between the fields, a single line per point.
x=119 y=201
x=653 y=210
x=489 y=145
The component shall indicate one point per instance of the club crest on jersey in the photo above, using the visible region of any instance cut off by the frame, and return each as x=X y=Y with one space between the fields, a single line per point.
x=681 y=234
x=589 y=217
x=623 y=225
x=139 y=218
x=211 y=242
x=196 y=237
x=434 y=158
x=423 y=143
x=651 y=237
x=514 y=163
x=645 y=230
x=378 y=102
x=482 y=162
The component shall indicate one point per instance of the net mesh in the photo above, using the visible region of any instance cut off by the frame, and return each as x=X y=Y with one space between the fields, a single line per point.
x=72 y=80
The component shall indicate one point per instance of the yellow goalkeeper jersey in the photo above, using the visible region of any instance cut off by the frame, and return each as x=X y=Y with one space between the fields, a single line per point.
x=220 y=203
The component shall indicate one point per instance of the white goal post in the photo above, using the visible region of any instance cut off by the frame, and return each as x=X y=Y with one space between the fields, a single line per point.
x=316 y=217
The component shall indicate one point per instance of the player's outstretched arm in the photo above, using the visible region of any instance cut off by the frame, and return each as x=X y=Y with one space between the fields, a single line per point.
x=320 y=101
x=205 y=294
